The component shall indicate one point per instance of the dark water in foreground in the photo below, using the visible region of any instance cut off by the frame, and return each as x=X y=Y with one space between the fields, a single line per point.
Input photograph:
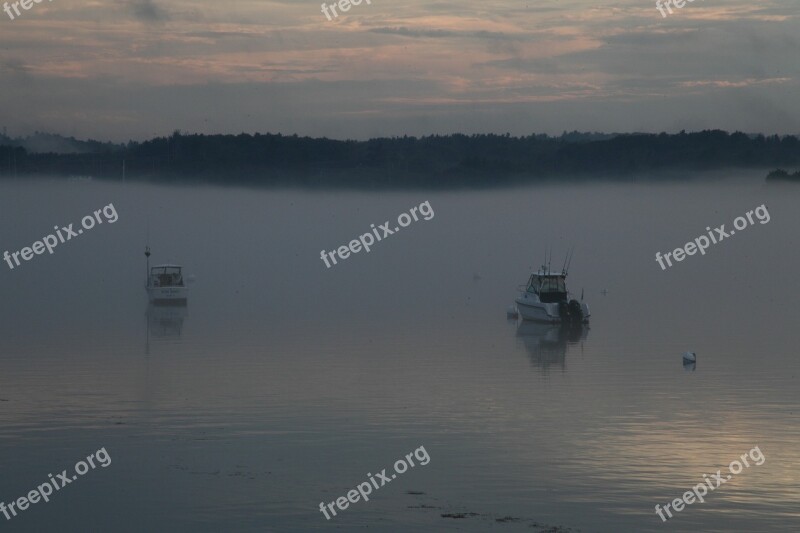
x=283 y=383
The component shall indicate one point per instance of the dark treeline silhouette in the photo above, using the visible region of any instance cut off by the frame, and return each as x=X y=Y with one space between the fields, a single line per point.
x=439 y=160
x=781 y=175
x=51 y=143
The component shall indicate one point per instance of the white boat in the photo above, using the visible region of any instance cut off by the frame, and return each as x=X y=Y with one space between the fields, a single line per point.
x=165 y=283
x=545 y=299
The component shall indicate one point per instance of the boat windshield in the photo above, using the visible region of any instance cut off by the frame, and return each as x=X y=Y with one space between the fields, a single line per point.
x=166 y=276
x=549 y=289
x=166 y=270
x=553 y=284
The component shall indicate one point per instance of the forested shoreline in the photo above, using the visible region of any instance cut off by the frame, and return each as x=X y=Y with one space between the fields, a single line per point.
x=438 y=160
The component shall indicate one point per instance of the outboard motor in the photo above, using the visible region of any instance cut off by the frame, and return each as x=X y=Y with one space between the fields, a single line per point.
x=575 y=311
x=563 y=311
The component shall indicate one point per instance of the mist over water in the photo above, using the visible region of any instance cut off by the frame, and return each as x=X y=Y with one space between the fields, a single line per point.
x=283 y=382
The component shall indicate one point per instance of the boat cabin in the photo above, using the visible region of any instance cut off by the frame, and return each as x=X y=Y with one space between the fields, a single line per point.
x=549 y=287
x=166 y=276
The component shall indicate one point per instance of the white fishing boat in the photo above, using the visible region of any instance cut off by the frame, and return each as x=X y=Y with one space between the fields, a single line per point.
x=545 y=299
x=165 y=283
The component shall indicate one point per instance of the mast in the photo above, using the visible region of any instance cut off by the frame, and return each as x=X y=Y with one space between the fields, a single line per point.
x=147 y=273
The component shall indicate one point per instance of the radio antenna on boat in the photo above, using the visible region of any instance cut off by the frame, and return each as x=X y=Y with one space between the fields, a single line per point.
x=147 y=273
x=564 y=267
x=544 y=265
x=569 y=262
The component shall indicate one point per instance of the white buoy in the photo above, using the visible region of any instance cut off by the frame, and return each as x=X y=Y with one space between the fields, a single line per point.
x=511 y=312
x=689 y=357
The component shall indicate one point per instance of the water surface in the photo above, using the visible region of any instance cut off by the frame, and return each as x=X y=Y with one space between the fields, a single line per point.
x=283 y=383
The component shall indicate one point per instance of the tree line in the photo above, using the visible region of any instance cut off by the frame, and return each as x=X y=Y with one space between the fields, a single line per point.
x=436 y=160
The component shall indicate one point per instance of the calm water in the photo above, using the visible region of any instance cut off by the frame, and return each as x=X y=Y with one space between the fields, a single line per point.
x=283 y=383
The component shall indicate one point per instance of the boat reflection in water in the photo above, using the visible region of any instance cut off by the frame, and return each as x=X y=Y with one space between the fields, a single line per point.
x=165 y=321
x=547 y=344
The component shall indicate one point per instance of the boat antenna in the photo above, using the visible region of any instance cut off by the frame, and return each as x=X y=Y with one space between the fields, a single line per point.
x=564 y=267
x=572 y=251
x=551 y=259
x=544 y=265
x=147 y=272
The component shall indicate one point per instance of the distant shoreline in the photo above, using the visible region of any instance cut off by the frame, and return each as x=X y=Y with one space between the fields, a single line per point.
x=782 y=175
x=451 y=161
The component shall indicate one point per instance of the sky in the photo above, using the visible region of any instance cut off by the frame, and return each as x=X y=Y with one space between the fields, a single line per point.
x=133 y=69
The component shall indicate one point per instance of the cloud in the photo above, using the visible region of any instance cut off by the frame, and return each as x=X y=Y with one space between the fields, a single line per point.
x=13 y=71
x=437 y=34
x=148 y=11
x=416 y=67
x=13 y=67
x=729 y=83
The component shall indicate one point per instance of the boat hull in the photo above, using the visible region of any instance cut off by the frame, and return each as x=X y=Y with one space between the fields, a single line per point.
x=530 y=308
x=172 y=295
